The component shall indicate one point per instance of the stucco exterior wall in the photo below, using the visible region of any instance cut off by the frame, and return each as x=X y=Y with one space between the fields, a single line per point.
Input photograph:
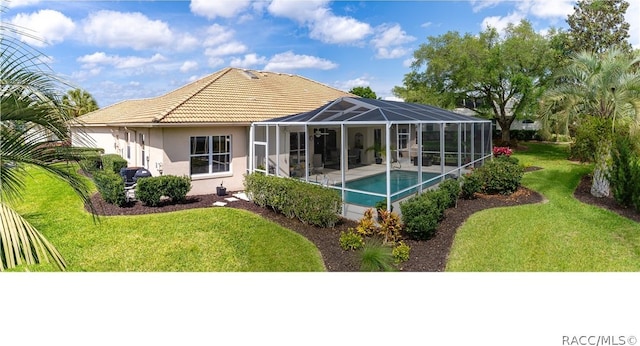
x=176 y=161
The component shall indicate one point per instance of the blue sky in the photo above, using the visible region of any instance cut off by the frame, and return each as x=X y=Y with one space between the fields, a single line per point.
x=120 y=50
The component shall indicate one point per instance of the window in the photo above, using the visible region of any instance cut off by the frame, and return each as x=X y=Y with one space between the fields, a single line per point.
x=142 y=152
x=296 y=146
x=129 y=140
x=210 y=154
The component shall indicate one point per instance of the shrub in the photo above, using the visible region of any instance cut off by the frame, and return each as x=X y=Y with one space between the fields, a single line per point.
x=312 y=204
x=149 y=190
x=471 y=183
x=420 y=216
x=174 y=187
x=351 y=240
x=589 y=134
x=500 y=177
x=451 y=188
x=390 y=226
x=113 y=163
x=375 y=256
x=624 y=171
x=366 y=226
x=110 y=186
x=401 y=252
x=502 y=151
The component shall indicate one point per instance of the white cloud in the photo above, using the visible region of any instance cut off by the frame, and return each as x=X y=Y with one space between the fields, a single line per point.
x=217 y=34
x=230 y=48
x=500 y=23
x=302 y=11
x=323 y=24
x=100 y=58
x=349 y=84
x=408 y=62
x=218 y=8
x=133 y=30
x=426 y=25
x=249 y=60
x=20 y=3
x=289 y=61
x=188 y=65
x=479 y=5
x=214 y=62
x=388 y=38
x=43 y=28
x=548 y=9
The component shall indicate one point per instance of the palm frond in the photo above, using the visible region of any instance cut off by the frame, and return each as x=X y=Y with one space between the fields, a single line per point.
x=21 y=243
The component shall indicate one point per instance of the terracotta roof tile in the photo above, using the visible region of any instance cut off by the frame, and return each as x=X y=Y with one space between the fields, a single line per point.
x=230 y=95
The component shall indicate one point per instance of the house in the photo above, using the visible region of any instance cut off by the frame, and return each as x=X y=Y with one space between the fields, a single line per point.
x=201 y=129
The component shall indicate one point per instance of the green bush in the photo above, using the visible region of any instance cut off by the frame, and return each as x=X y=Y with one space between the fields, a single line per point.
x=589 y=135
x=471 y=184
x=420 y=215
x=624 y=173
x=401 y=252
x=174 y=187
x=113 y=162
x=312 y=204
x=500 y=176
x=351 y=240
x=149 y=190
x=451 y=188
x=110 y=186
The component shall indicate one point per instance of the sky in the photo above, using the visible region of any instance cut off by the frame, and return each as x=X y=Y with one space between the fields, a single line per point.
x=119 y=50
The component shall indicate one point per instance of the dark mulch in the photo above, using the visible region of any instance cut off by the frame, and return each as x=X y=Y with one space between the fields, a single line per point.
x=429 y=255
x=583 y=194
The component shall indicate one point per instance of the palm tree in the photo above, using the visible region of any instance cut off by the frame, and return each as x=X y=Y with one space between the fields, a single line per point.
x=79 y=102
x=32 y=114
x=607 y=87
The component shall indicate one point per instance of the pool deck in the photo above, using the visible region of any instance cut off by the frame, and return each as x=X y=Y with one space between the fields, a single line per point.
x=332 y=177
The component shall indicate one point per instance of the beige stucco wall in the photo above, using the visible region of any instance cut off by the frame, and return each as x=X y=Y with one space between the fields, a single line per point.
x=176 y=142
x=166 y=151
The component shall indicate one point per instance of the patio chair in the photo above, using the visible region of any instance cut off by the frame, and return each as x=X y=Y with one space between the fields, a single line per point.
x=317 y=164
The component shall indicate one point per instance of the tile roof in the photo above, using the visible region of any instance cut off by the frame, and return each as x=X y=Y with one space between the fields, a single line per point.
x=230 y=95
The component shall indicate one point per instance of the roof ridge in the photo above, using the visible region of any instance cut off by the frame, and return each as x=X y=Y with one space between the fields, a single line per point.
x=167 y=111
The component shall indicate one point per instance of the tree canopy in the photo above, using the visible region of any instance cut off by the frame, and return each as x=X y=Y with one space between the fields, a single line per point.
x=498 y=77
x=365 y=92
x=598 y=25
x=79 y=102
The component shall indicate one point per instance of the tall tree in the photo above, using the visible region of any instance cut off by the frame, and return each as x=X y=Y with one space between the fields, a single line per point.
x=598 y=25
x=79 y=102
x=498 y=77
x=32 y=112
x=365 y=92
x=604 y=86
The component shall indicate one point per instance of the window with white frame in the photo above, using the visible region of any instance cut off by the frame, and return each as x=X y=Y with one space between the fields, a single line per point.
x=210 y=154
x=129 y=141
x=142 y=150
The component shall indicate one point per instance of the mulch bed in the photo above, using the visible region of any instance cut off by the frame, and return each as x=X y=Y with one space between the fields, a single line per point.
x=430 y=255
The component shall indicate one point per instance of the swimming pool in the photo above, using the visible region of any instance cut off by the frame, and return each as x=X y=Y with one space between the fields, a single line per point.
x=377 y=183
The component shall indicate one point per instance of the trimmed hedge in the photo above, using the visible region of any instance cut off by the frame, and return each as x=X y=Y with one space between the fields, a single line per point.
x=150 y=190
x=500 y=176
x=311 y=204
x=113 y=162
x=111 y=187
x=422 y=213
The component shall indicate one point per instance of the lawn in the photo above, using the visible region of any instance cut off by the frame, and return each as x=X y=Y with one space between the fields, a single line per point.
x=197 y=240
x=561 y=234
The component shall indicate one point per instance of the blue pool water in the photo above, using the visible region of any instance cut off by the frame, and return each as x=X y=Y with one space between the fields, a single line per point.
x=377 y=183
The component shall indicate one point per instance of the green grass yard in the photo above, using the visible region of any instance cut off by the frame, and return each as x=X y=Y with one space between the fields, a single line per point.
x=562 y=234
x=198 y=240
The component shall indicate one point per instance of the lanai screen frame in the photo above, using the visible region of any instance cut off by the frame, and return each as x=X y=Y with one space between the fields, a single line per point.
x=347 y=112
